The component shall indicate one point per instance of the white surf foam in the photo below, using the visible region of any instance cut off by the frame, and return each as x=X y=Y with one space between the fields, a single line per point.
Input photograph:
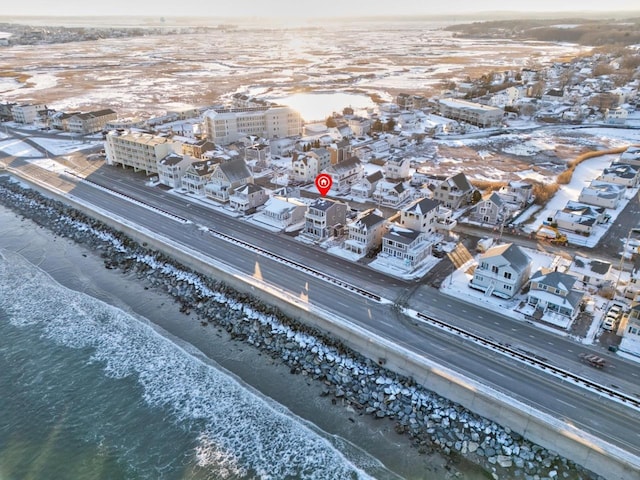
x=239 y=433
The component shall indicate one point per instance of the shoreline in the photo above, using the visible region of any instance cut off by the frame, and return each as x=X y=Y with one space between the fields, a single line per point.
x=432 y=424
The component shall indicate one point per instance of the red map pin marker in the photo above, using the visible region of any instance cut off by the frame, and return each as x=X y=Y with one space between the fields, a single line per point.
x=323 y=183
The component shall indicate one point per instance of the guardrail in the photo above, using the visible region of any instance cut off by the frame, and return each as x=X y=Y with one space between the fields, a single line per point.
x=530 y=359
x=537 y=362
x=178 y=218
x=299 y=266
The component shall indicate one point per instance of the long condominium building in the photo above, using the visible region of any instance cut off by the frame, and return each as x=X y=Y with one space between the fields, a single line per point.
x=470 y=112
x=227 y=126
x=142 y=151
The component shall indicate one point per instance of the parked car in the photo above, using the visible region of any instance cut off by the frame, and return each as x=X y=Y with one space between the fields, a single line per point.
x=609 y=323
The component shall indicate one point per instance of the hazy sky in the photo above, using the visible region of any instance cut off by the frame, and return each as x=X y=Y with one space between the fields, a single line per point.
x=305 y=8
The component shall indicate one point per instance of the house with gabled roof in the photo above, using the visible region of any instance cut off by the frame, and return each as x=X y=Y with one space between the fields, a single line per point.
x=454 y=191
x=365 y=233
x=631 y=156
x=247 y=198
x=281 y=213
x=171 y=169
x=391 y=194
x=365 y=187
x=579 y=217
x=197 y=175
x=491 y=210
x=408 y=246
x=554 y=297
x=306 y=166
x=397 y=168
x=602 y=194
x=323 y=216
x=502 y=271
x=421 y=215
x=344 y=175
x=621 y=174
x=517 y=192
x=591 y=271
x=226 y=177
x=90 y=122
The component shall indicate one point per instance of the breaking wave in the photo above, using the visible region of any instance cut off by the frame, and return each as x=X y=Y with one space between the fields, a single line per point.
x=239 y=434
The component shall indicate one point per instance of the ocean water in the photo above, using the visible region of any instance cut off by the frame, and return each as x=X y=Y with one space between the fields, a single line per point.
x=90 y=391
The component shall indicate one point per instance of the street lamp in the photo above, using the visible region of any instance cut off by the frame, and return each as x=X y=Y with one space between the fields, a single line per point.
x=626 y=245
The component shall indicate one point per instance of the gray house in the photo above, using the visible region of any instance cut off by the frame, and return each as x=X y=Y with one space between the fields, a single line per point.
x=502 y=271
x=491 y=210
x=454 y=192
x=323 y=216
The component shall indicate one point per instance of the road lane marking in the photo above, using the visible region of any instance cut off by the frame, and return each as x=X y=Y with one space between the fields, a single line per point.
x=567 y=404
x=497 y=373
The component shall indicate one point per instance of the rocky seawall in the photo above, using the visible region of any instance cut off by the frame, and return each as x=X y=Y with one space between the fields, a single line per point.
x=432 y=422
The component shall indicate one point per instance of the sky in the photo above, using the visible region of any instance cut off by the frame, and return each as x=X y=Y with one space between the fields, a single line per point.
x=299 y=8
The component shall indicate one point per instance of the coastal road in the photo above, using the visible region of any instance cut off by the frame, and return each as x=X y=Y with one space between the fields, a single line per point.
x=601 y=417
x=562 y=352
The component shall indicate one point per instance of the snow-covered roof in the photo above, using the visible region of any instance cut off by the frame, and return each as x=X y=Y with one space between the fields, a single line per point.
x=422 y=206
x=511 y=253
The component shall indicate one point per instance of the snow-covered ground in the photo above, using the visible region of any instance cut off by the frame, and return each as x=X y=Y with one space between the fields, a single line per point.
x=457 y=285
x=63 y=147
x=583 y=175
x=19 y=148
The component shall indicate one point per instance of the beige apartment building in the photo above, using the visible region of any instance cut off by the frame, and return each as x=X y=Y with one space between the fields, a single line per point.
x=142 y=151
x=228 y=125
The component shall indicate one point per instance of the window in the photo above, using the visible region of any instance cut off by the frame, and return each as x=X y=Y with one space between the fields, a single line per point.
x=507 y=287
x=507 y=275
x=494 y=269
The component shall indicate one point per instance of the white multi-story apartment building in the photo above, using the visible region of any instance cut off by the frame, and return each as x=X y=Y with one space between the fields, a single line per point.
x=470 y=112
x=226 y=126
x=26 y=112
x=142 y=151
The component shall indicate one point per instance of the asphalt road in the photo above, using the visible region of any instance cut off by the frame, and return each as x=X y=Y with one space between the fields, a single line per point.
x=616 y=423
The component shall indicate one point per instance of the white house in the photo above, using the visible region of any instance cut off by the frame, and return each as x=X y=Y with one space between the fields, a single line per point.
x=602 y=194
x=409 y=247
x=579 y=217
x=421 y=215
x=391 y=194
x=306 y=166
x=282 y=213
x=621 y=174
x=197 y=175
x=365 y=233
x=616 y=116
x=344 y=175
x=247 y=198
x=366 y=186
x=631 y=156
x=517 y=192
x=171 y=169
x=591 y=271
x=502 y=270
x=26 y=112
x=397 y=168
x=554 y=298
x=359 y=126
x=631 y=338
